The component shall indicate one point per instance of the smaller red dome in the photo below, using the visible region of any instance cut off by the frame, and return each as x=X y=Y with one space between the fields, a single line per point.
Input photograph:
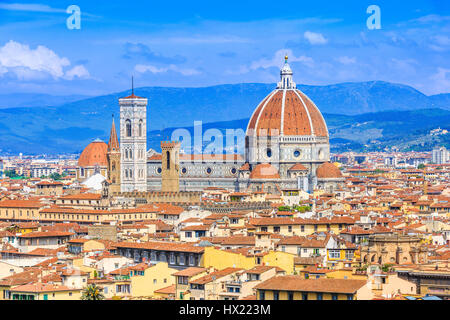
x=328 y=170
x=94 y=154
x=264 y=171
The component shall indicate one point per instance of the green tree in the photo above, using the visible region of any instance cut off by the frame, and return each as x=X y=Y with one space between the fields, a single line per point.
x=421 y=166
x=11 y=174
x=55 y=176
x=92 y=292
x=387 y=268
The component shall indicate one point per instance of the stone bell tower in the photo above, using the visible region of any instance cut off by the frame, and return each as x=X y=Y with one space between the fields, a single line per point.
x=133 y=143
x=113 y=156
x=170 y=164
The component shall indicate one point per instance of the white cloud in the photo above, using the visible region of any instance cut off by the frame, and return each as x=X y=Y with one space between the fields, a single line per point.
x=32 y=64
x=141 y=68
x=29 y=7
x=346 y=60
x=315 y=38
x=278 y=59
x=441 y=81
x=431 y=18
x=77 y=72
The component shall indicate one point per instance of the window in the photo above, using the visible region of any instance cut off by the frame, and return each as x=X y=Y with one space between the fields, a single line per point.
x=262 y=295
x=289 y=228
x=276 y=295
x=172 y=258
x=140 y=128
x=269 y=153
x=191 y=260
x=128 y=127
x=349 y=255
x=319 y=296
x=302 y=228
x=276 y=229
x=334 y=296
x=349 y=297
x=188 y=234
x=304 y=296
x=290 y=295
x=182 y=280
x=335 y=254
x=168 y=160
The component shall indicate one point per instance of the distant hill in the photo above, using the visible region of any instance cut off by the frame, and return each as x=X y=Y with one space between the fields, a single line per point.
x=29 y=100
x=54 y=128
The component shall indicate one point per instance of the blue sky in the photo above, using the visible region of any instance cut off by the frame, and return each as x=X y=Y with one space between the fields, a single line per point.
x=201 y=43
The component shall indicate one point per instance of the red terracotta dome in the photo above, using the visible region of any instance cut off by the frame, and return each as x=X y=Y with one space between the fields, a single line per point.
x=94 y=154
x=290 y=112
x=264 y=171
x=328 y=170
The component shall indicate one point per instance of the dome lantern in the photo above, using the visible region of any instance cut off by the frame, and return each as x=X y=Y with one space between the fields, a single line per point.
x=286 y=76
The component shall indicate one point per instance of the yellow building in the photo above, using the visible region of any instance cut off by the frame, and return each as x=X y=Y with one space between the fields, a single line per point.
x=245 y=259
x=44 y=291
x=182 y=279
x=296 y=288
x=301 y=227
x=154 y=278
x=20 y=210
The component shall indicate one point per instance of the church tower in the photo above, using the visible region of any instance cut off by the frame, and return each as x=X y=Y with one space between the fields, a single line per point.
x=133 y=143
x=170 y=163
x=113 y=157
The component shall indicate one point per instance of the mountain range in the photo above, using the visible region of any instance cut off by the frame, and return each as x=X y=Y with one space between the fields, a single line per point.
x=356 y=114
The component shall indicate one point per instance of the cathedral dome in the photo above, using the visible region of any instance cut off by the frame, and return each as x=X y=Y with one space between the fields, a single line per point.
x=328 y=170
x=287 y=111
x=94 y=154
x=264 y=171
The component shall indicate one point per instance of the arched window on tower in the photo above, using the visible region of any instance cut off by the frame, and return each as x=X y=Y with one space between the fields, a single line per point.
x=128 y=127
x=140 y=127
x=113 y=166
x=168 y=160
x=131 y=154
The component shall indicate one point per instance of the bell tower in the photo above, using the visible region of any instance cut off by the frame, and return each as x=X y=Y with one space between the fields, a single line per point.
x=113 y=156
x=133 y=143
x=170 y=163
